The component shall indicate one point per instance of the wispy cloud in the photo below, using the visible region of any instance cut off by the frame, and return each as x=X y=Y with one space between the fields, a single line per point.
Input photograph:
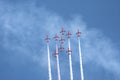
x=25 y=26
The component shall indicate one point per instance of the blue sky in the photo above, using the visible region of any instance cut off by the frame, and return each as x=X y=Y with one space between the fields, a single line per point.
x=24 y=24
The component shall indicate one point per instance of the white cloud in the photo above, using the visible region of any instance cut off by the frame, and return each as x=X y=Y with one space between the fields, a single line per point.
x=26 y=26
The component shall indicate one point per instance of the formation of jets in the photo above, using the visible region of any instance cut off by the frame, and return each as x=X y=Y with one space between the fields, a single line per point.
x=62 y=40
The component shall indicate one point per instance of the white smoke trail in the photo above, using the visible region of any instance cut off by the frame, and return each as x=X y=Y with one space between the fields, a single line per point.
x=70 y=60
x=58 y=66
x=71 y=72
x=80 y=55
x=49 y=65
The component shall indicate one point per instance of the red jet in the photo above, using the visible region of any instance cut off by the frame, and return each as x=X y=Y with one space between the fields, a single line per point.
x=69 y=34
x=47 y=38
x=78 y=33
x=69 y=51
x=61 y=48
x=56 y=37
x=62 y=40
x=62 y=31
x=55 y=54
